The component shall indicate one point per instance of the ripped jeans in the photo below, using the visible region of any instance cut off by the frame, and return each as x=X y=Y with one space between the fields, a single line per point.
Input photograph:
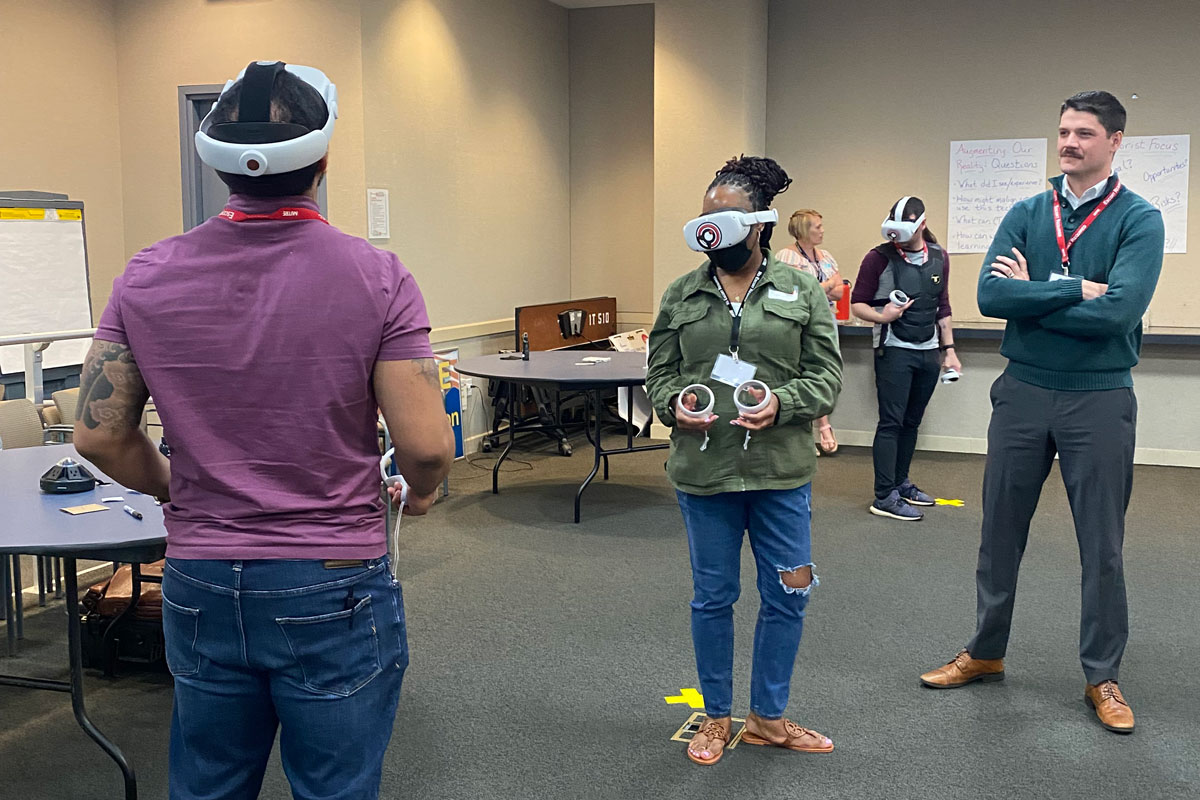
x=779 y=522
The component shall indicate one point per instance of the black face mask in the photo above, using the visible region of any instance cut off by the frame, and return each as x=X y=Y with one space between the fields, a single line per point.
x=731 y=259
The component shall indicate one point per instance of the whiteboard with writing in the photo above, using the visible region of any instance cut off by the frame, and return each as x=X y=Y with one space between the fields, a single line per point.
x=1156 y=167
x=987 y=176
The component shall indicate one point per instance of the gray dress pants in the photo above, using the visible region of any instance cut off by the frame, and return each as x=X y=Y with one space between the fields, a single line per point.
x=1093 y=434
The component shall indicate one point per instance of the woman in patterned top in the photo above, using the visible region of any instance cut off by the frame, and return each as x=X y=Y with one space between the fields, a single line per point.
x=808 y=230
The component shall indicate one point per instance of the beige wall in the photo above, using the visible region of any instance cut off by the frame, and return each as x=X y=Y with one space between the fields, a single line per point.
x=710 y=75
x=865 y=97
x=163 y=44
x=59 y=124
x=467 y=126
x=612 y=157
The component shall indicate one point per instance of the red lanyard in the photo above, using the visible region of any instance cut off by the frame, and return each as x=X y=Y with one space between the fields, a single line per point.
x=280 y=213
x=924 y=249
x=1064 y=246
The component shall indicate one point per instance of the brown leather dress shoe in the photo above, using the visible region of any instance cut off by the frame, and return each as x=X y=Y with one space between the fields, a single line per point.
x=1110 y=705
x=963 y=670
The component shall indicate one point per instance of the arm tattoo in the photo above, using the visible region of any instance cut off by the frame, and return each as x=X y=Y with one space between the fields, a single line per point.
x=112 y=394
x=427 y=368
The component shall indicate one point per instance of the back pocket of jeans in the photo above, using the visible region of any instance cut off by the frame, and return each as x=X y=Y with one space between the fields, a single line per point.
x=337 y=653
x=180 y=627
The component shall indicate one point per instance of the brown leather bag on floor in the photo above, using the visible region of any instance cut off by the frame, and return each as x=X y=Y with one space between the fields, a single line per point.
x=109 y=598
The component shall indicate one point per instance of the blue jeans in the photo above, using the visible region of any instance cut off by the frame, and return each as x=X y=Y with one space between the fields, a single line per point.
x=255 y=646
x=779 y=522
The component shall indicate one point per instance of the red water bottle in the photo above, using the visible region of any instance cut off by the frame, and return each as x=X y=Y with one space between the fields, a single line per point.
x=842 y=314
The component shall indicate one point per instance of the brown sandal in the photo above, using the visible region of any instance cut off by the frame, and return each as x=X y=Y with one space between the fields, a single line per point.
x=714 y=731
x=802 y=740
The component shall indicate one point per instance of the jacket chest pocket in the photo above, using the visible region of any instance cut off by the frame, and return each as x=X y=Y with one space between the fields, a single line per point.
x=781 y=333
x=700 y=335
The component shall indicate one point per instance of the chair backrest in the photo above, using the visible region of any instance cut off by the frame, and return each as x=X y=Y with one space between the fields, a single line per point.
x=66 y=401
x=20 y=425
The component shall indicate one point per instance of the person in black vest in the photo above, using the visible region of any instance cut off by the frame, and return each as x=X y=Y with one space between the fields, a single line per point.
x=903 y=288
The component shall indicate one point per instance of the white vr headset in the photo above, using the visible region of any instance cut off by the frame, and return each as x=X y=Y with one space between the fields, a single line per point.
x=256 y=146
x=896 y=229
x=723 y=228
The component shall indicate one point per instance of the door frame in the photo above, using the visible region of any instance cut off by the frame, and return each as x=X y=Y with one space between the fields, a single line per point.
x=189 y=163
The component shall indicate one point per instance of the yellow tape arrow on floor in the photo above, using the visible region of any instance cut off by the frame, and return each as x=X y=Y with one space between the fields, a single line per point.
x=956 y=503
x=689 y=696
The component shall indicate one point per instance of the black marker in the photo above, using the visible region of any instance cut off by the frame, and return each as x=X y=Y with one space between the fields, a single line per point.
x=133 y=512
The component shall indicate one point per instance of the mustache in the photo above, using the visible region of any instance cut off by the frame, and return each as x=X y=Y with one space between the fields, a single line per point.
x=1070 y=152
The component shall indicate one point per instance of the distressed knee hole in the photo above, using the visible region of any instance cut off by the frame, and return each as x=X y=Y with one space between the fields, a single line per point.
x=799 y=580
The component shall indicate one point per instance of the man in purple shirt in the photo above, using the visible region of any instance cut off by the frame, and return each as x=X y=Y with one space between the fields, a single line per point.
x=269 y=341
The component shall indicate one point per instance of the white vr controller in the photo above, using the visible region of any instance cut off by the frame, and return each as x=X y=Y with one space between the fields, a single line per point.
x=390 y=481
x=951 y=375
x=750 y=397
x=898 y=297
x=393 y=480
x=895 y=229
x=747 y=399
x=699 y=412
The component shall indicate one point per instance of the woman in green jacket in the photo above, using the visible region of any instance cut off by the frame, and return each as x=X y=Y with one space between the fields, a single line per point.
x=748 y=465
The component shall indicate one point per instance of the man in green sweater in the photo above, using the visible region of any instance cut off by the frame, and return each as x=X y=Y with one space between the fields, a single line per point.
x=1072 y=270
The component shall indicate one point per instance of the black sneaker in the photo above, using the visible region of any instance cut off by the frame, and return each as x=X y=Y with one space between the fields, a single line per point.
x=896 y=507
x=914 y=496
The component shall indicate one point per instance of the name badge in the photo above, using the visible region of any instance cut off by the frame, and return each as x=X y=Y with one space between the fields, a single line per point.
x=775 y=294
x=1058 y=276
x=731 y=372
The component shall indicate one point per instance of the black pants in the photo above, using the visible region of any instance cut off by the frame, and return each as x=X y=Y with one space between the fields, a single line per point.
x=1093 y=434
x=904 y=382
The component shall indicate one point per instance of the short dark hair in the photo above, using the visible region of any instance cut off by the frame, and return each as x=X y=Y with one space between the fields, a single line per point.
x=760 y=178
x=292 y=100
x=1106 y=107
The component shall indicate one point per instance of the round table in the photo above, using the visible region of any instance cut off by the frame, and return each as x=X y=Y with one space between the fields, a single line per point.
x=566 y=369
x=33 y=523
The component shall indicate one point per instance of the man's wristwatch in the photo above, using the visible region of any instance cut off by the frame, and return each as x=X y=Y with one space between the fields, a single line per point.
x=946 y=347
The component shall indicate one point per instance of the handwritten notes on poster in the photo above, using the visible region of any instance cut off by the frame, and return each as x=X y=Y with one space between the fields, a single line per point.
x=986 y=177
x=1156 y=167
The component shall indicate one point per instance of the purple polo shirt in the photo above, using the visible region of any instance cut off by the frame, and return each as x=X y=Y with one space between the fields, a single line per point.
x=257 y=341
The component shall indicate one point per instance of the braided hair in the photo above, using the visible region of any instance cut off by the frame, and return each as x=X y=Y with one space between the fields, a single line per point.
x=760 y=178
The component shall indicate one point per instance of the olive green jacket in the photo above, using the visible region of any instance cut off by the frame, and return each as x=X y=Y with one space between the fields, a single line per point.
x=789 y=334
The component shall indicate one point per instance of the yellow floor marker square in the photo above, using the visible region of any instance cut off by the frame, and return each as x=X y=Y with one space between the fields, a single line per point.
x=692 y=726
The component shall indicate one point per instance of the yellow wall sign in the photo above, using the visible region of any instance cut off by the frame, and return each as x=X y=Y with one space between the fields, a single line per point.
x=22 y=213
x=65 y=214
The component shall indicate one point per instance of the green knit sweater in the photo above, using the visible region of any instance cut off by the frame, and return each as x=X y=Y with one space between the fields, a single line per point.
x=1055 y=338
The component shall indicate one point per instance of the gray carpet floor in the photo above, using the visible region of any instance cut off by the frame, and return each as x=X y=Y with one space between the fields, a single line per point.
x=542 y=652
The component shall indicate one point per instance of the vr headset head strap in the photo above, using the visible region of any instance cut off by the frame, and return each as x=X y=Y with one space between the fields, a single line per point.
x=254 y=105
x=898 y=211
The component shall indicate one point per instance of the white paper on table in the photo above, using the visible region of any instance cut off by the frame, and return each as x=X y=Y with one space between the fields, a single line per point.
x=641 y=406
x=1156 y=167
x=378 y=219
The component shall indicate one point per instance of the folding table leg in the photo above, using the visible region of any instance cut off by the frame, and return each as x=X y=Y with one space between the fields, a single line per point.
x=10 y=613
x=75 y=649
x=19 y=596
x=41 y=580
